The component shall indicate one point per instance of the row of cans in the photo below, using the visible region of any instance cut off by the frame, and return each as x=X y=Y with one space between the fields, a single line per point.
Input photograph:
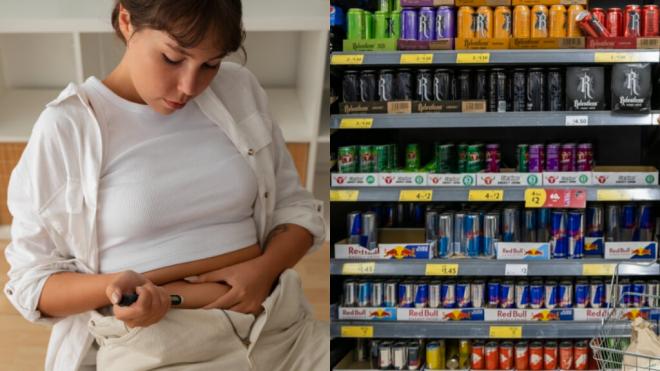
x=496 y=293
x=362 y=229
x=381 y=24
x=535 y=158
x=385 y=354
x=631 y=21
x=375 y=158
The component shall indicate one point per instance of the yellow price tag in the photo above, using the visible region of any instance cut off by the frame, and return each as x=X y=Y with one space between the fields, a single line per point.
x=359 y=268
x=441 y=269
x=361 y=123
x=535 y=197
x=505 y=332
x=416 y=59
x=473 y=58
x=486 y=195
x=357 y=331
x=613 y=195
x=615 y=57
x=598 y=269
x=416 y=195
x=344 y=196
x=347 y=59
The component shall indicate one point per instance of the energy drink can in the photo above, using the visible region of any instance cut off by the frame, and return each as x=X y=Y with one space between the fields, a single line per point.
x=552 y=158
x=445 y=235
x=400 y=355
x=556 y=89
x=368 y=86
x=414 y=356
x=599 y=14
x=431 y=227
x=632 y=21
x=435 y=355
x=623 y=297
x=406 y=294
x=421 y=295
x=424 y=85
x=491 y=234
x=522 y=355
x=366 y=154
x=459 y=235
x=472 y=232
x=638 y=292
x=444 y=158
x=493 y=289
x=350 y=87
x=497 y=98
x=519 y=89
x=536 y=294
x=551 y=294
x=395 y=24
x=506 y=355
x=522 y=294
x=611 y=292
x=557 y=15
x=418 y=214
x=644 y=223
x=361 y=350
x=595 y=221
x=576 y=234
x=464 y=88
x=483 y=25
x=464 y=354
x=382 y=24
x=558 y=237
x=590 y=25
x=529 y=226
x=463 y=292
x=539 y=28
x=596 y=293
x=565 y=294
x=510 y=224
x=477 y=290
x=403 y=85
x=507 y=295
x=435 y=296
x=536 y=89
x=536 y=355
x=522 y=22
x=409 y=27
x=465 y=18
x=628 y=222
x=385 y=355
x=582 y=293
x=550 y=355
x=356 y=28
x=584 y=157
x=492 y=355
x=354 y=219
x=412 y=157
x=350 y=293
x=381 y=158
x=389 y=216
x=363 y=294
x=613 y=223
x=426 y=24
x=477 y=358
x=448 y=294
x=543 y=225
x=536 y=158
x=503 y=23
x=369 y=25
x=568 y=157
x=650 y=20
x=566 y=355
x=462 y=158
x=442 y=84
x=573 y=30
x=377 y=291
x=386 y=85
x=522 y=158
x=580 y=355
x=369 y=230
x=475 y=158
x=347 y=158
x=653 y=292
x=390 y=294
x=444 y=23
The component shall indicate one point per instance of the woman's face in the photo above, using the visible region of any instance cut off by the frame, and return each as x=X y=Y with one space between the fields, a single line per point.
x=165 y=75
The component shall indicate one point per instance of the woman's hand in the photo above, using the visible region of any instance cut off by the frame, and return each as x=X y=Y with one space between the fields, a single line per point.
x=152 y=304
x=250 y=283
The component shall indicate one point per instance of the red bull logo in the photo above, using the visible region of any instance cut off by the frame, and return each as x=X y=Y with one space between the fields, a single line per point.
x=400 y=252
x=533 y=252
x=380 y=313
x=635 y=313
x=592 y=246
x=457 y=315
x=642 y=251
x=545 y=315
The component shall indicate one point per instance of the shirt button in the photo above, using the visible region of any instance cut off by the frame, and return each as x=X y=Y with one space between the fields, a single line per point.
x=250 y=152
x=10 y=292
x=266 y=195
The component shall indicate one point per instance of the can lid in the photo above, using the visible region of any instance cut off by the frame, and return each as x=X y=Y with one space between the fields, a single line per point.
x=582 y=15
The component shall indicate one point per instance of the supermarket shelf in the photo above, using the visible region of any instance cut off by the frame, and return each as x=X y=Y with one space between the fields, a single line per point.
x=511 y=194
x=531 y=56
x=494 y=119
x=480 y=330
x=483 y=267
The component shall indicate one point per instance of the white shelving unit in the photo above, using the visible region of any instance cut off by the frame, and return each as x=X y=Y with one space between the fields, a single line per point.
x=44 y=45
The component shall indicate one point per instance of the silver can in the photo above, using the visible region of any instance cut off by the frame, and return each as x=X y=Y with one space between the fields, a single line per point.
x=445 y=235
x=369 y=230
x=400 y=356
x=435 y=300
x=377 y=294
x=459 y=241
x=491 y=234
x=612 y=222
x=350 y=293
x=477 y=292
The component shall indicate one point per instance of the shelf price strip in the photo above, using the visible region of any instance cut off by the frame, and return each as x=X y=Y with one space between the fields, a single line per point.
x=408 y=58
x=358 y=268
x=516 y=270
x=441 y=269
x=358 y=123
x=486 y=195
x=613 y=195
x=473 y=58
x=598 y=269
x=344 y=195
x=347 y=59
x=357 y=331
x=418 y=195
x=505 y=332
x=615 y=57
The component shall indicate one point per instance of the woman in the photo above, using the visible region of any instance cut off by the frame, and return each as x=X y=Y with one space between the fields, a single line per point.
x=166 y=178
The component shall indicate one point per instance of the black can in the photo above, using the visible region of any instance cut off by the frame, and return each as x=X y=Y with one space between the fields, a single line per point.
x=555 y=90
x=368 y=86
x=464 y=85
x=424 y=85
x=350 y=87
x=497 y=96
x=536 y=89
x=386 y=85
x=481 y=85
x=519 y=90
x=403 y=85
x=442 y=84
x=509 y=91
x=454 y=87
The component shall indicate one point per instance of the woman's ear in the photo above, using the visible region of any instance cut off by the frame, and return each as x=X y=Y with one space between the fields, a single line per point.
x=125 y=25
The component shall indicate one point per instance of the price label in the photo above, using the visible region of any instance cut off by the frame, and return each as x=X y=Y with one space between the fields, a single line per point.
x=598 y=269
x=416 y=195
x=505 y=332
x=535 y=197
x=473 y=58
x=441 y=269
x=486 y=195
x=515 y=270
x=615 y=57
x=361 y=123
x=613 y=195
x=347 y=59
x=357 y=331
x=416 y=59
x=358 y=268
x=344 y=196
x=577 y=120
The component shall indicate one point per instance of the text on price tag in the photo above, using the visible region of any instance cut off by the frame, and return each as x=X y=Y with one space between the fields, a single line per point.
x=572 y=120
x=419 y=195
x=515 y=270
x=473 y=58
x=358 y=123
x=505 y=332
x=347 y=59
x=486 y=195
x=598 y=269
x=357 y=331
x=615 y=57
x=441 y=269
x=613 y=195
x=358 y=268
x=416 y=59
x=535 y=197
x=344 y=195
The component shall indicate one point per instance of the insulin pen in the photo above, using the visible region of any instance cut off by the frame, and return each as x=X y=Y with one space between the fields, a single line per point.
x=128 y=299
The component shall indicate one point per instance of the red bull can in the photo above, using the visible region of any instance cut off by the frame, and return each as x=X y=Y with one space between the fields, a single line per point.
x=543 y=225
x=522 y=294
x=389 y=294
x=628 y=222
x=354 y=227
x=406 y=295
x=611 y=292
x=435 y=298
x=421 y=295
x=644 y=230
x=463 y=294
x=399 y=355
x=511 y=224
x=445 y=233
x=385 y=355
x=491 y=234
x=558 y=237
x=350 y=293
x=369 y=231
x=459 y=235
x=613 y=223
x=581 y=293
x=536 y=294
x=493 y=289
x=377 y=294
x=363 y=294
x=551 y=294
x=529 y=225
x=507 y=294
x=448 y=294
x=623 y=296
x=596 y=293
x=576 y=234
x=472 y=233
x=595 y=221
x=565 y=294
x=653 y=291
x=638 y=292
x=477 y=293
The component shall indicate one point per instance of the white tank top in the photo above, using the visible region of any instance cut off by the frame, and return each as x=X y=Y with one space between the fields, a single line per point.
x=173 y=188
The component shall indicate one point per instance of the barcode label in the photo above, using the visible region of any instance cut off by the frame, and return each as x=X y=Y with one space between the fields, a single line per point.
x=648 y=43
x=573 y=42
x=473 y=106
x=501 y=106
x=399 y=107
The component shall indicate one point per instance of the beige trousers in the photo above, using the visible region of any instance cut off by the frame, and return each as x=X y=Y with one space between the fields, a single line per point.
x=284 y=337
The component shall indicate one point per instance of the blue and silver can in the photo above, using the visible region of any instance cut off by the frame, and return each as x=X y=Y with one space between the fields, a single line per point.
x=543 y=225
x=448 y=294
x=431 y=230
x=623 y=297
x=529 y=226
x=421 y=295
x=435 y=296
x=596 y=293
x=369 y=233
x=364 y=294
x=354 y=227
x=611 y=292
x=507 y=294
x=491 y=234
x=565 y=294
x=511 y=224
x=444 y=23
x=628 y=222
x=558 y=237
x=576 y=234
x=644 y=230
x=582 y=293
x=445 y=233
x=463 y=294
x=472 y=233
x=613 y=223
x=493 y=289
x=390 y=294
x=536 y=294
x=477 y=293
x=350 y=293
x=459 y=235
x=551 y=294
x=377 y=291
x=426 y=23
x=522 y=294
x=595 y=221
x=406 y=294
x=638 y=294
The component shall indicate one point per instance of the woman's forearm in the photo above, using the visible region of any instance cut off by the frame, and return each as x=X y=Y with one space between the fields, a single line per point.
x=69 y=293
x=285 y=246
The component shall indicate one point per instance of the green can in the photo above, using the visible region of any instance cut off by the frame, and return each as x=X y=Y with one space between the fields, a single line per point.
x=385 y=5
x=355 y=24
x=368 y=25
x=522 y=158
x=462 y=158
x=474 y=158
x=366 y=159
x=381 y=158
x=412 y=157
x=444 y=158
x=395 y=5
x=347 y=159
x=381 y=25
x=395 y=24
x=394 y=157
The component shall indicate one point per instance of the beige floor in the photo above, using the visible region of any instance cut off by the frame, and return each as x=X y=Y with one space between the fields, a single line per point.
x=23 y=345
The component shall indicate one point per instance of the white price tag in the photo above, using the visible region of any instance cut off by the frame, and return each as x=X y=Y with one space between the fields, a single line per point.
x=515 y=270
x=577 y=120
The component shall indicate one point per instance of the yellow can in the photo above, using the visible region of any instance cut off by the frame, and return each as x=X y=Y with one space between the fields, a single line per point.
x=484 y=23
x=435 y=355
x=557 y=21
x=539 y=22
x=502 y=27
x=465 y=29
x=521 y=22
x=572 y=28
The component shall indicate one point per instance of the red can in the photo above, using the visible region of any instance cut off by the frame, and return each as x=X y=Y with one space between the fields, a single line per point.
x=506 y=355
x=492 y=353
x=477 y=359
x=566 y=355
x=522 y=355
x=632 y=21
x=614 y=22
x=650 y=20
x=581 y=355
x=536 y=356
x=591 y=26
x=550 y=355
x=599 y=14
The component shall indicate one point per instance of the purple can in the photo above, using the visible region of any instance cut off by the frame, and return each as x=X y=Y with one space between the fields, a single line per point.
x=408 y=24
x=426 y=24
x=536 y=158
x=567 y=157
x=492 y=158
x=444 y=23
x=552 y=157
x=584 y=157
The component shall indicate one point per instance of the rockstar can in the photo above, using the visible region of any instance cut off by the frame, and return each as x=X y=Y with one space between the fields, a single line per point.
x=484 y=23
x=426 y=24
x=444 y=23
x=632 y=21
x=572 y=28
x=465 y=21
x=539 y=22
x=522 y=19
x=558 y=22
x=503 y=22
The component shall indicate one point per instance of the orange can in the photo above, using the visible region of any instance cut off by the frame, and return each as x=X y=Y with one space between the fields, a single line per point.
x=483 y=26
x=539 y=22
x=572 y=28
x=557 y=21
x=522 y=19
x=502 y=27
x=465 y=18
